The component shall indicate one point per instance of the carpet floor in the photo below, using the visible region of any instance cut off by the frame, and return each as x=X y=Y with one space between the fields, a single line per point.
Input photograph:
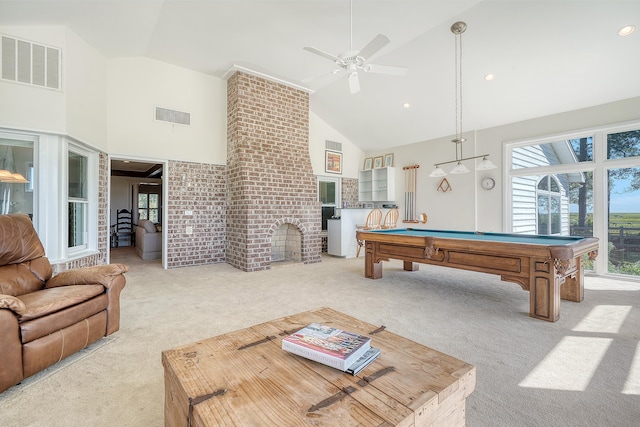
x=583 y=370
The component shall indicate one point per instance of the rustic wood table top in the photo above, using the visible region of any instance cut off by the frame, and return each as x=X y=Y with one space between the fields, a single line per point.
x=244 y=378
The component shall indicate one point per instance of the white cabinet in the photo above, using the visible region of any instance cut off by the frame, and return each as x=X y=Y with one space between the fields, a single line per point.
x=377 y=185
x=342 y=232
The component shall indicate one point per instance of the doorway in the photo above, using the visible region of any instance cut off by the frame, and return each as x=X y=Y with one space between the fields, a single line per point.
x=137 y=186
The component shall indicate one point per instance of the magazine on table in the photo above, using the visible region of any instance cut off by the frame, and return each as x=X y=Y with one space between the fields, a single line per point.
x=364 y=361
x=325 y=344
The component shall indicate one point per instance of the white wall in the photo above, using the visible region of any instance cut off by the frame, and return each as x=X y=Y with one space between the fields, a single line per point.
x=319 y=132
x=29 y=107
x=78 y=109
x=85 y=72
x=468 y=206
x=137 y=85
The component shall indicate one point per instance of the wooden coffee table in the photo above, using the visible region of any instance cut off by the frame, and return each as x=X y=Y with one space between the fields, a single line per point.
x=245 y=378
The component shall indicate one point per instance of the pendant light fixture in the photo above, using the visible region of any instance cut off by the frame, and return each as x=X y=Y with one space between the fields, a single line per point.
x=457 y=29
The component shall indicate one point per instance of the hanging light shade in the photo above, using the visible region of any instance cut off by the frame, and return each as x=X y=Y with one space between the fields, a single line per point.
x=14 y=178
x=459 y=169
x=457 y=29
x=485 y=164
x=437 y=172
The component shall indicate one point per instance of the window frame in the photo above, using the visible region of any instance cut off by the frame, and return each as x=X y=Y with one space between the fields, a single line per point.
x=599 y=167
x=90 y=204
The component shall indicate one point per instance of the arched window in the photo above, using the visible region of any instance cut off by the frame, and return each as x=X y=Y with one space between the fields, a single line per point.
x=549 y=205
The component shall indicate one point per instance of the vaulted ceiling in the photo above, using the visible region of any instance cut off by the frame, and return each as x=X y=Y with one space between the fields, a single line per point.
x=547 y=56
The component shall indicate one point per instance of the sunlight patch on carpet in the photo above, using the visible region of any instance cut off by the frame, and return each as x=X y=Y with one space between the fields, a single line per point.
x=632 y=385
x=570 y=365
x=604 y=319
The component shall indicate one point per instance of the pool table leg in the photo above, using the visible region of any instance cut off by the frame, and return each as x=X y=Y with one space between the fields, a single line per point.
x=411 y=266
x=372 y=269
x=573 y=287
x=544 y=298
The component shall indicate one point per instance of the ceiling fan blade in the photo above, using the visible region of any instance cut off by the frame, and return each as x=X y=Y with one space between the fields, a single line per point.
x=391 y=70
x=321 y=53
x=354 y=82
x=374 y=46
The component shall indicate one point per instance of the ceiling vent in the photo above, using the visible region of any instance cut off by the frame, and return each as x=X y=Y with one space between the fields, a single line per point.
x=173 y=116
x=30 y=63
x=332 y=145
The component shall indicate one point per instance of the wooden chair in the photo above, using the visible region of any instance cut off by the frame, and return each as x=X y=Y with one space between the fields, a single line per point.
x=123 y=229
x=390 y=219
x=372 y=223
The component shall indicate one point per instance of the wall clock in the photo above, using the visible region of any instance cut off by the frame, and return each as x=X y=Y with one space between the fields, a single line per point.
x=488 y=183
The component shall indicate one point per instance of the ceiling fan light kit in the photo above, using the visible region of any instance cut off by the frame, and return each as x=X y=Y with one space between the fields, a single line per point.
x=458 y=29
x=352 y=61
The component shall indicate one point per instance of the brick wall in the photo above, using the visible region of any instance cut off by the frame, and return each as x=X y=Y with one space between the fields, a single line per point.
x=269 y=173
x=350 y=191
x=201 y=189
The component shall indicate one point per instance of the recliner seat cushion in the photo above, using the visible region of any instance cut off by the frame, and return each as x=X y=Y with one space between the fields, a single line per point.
x=37 y=328
x=47 y=301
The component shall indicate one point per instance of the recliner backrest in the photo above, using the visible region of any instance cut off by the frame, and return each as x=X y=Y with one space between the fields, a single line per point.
x=23 y=266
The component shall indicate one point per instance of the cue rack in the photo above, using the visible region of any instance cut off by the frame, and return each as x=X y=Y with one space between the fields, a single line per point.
x=410 y=182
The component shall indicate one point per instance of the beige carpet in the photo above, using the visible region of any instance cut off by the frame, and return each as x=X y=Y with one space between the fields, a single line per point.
x=583 y=370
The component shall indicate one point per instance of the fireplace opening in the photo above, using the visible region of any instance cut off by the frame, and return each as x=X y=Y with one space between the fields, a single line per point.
x=286 y=244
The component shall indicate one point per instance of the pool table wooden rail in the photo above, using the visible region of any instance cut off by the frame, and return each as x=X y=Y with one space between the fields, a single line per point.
x=548 y=272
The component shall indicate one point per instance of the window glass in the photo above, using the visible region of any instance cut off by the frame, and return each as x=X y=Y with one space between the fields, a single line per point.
x=566 y=151
x=327 y=192
x=624 y=220
x=566 y=209
x=16 y=176
x=623 y=144
x=77 y=199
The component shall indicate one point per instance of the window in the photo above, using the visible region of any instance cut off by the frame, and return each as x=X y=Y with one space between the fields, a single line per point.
x=329 y=189
x=149 y=202
x=586 y=184
x=77 y=199
x=16 y=178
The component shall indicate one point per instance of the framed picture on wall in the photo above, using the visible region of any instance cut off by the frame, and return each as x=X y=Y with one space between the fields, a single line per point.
x=368 y=163
x=377 y=162
x=388 y=160
x=332 y=161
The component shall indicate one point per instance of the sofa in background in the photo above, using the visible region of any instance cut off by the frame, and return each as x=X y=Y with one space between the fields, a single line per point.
x=44 y=319
x=148 y=240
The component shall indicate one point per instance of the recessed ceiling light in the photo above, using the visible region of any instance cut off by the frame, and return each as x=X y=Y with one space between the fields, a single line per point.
x=489 y=77
x=626 y=30
x=406 y=105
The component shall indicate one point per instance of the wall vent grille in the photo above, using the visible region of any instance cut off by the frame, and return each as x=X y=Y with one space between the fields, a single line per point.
x=173 y=116
x=30 y=63
x=332 y=145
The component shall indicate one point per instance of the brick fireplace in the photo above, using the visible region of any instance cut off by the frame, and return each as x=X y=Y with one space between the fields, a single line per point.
x=270 y=180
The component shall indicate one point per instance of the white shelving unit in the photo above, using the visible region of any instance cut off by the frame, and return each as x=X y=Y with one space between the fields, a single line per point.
x=377 y=185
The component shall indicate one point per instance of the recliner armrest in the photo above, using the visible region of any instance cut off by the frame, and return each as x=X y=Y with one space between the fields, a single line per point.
x=12 y=303
x=99 y=274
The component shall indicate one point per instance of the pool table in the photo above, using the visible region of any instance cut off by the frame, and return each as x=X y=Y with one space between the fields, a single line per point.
x=549 y=267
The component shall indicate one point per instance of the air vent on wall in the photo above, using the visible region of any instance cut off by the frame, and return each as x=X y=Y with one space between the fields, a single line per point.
x=173 y=116
x=30 y=63
x=332 y=145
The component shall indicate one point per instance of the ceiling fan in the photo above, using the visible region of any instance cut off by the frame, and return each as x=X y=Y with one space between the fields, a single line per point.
x=352 y=61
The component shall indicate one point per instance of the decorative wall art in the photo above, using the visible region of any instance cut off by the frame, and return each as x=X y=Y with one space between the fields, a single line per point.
x=332 y=162
x=368 y=163
x=388 y=160
x=377 y=162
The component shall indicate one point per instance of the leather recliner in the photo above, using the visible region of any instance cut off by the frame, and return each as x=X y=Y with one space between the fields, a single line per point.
x=44 y=319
